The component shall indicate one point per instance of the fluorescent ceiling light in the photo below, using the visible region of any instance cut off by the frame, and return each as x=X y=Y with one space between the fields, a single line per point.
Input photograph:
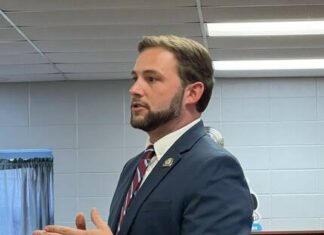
x=269 y=64
x=265 y=28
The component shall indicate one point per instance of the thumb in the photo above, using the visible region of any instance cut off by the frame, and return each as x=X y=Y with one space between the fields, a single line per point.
x=97 y=220
x=80 y=221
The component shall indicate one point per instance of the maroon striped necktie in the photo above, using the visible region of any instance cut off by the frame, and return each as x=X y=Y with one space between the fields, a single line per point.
x=138 y=177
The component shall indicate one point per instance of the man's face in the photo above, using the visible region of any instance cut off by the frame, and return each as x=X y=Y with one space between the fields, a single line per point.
x=156 y=92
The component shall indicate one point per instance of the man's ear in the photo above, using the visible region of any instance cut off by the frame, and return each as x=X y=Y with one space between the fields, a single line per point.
x=194 y=92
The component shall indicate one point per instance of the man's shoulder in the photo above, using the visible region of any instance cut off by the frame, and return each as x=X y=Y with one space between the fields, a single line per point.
x=131 y=162
x=207 y=149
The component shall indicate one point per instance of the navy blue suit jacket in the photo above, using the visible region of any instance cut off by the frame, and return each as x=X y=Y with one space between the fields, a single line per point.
x=203 y=192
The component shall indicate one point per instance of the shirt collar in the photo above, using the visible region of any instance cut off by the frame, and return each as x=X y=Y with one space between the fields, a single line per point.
x=162 y=145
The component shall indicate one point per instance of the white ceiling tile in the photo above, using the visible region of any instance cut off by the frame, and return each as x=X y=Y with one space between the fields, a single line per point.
x=97 y=67
x=31 y=58
x=3 y=23
x=41 y=5
x=105 y=17
x=92 y=57
x=97 y=76
x=15 y=48
x=109 y=31
x=9 y=34
x=88 y=45
x=30 y=77
x=93 y=45
x=27 y=69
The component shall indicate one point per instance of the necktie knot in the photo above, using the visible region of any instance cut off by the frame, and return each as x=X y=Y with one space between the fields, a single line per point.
x=148 y=153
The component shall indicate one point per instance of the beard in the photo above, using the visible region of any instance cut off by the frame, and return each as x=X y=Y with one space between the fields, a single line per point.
x=156 y=119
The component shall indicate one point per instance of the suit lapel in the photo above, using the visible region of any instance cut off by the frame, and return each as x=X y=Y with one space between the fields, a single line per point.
x=166 y=164
x=120 y=194
x=155 y=177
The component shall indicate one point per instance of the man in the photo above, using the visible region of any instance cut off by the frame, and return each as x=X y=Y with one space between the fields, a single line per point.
x=191 y=185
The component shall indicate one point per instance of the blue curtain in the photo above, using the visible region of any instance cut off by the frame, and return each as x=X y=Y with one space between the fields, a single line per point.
x=26 y=193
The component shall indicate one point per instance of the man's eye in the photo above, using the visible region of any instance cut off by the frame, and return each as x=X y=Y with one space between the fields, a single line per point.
x=151 y=79
x=134 y=78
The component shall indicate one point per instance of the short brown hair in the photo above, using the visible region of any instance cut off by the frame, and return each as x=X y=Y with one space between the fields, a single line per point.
x=194 y=62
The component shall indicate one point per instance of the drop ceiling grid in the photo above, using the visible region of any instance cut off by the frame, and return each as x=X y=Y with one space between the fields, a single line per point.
x=97 y=39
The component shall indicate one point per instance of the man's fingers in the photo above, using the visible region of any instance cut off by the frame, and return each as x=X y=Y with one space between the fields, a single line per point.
x=62 y=230
x=97 y=220
x=39 y=232
x=43 y=232
x=80 y=221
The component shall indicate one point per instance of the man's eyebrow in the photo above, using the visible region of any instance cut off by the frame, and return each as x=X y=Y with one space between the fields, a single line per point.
x=150 y=72
x=145 y=72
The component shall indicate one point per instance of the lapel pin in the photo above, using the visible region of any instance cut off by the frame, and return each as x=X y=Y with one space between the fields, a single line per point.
x=168 y=162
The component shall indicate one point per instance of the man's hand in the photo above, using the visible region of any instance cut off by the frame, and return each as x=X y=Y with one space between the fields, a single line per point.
x=101 y=227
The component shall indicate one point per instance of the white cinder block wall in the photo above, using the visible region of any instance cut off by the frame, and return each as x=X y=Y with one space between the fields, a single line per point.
x=275 y=127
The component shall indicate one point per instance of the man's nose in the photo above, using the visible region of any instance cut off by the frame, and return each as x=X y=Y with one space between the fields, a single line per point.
x=136 y=89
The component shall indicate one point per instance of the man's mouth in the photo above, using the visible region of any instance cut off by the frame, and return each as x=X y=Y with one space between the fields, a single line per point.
x=137 y=106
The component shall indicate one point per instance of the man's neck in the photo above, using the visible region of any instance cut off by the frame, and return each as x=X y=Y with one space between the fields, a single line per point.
x=169 y=127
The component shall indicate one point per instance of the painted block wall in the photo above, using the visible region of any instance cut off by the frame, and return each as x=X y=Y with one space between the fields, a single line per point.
x=274 y=126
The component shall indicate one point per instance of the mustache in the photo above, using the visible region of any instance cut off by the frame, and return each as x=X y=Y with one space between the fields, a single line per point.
x=139 y=103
